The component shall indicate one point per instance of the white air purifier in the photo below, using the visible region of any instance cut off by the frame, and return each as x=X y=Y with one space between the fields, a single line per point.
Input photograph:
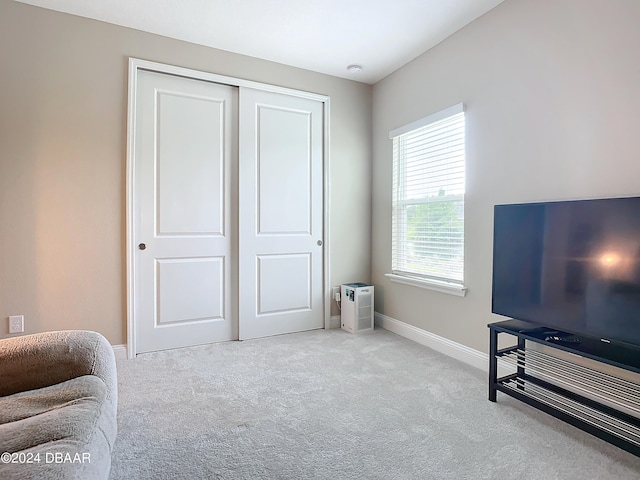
x=356 y=313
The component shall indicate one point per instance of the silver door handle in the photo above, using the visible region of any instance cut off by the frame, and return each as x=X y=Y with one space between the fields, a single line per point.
x=319 y=242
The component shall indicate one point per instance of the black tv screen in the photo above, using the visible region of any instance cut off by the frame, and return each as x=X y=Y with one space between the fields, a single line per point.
x=573 y=266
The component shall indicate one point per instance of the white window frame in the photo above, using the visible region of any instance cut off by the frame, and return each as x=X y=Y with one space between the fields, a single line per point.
x=444 y=285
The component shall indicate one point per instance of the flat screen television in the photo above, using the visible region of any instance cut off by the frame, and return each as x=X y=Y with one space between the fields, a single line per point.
x=572 y=266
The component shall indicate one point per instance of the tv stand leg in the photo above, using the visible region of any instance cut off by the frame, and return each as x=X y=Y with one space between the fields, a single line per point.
x=493 y=364
x=521 y=347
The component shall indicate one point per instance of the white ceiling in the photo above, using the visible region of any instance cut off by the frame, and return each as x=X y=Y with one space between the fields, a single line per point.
x=320 y=35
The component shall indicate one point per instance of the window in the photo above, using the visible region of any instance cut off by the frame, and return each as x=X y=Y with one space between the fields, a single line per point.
x=428 y=200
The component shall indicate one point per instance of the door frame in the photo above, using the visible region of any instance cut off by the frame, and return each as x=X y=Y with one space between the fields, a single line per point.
x=135 y=66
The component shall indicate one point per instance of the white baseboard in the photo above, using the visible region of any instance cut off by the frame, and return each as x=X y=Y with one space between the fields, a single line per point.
x=443 y=345
x=120 y=351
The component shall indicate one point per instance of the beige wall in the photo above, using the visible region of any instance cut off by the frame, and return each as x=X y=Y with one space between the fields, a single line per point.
x=63 y=112
x=552 y=95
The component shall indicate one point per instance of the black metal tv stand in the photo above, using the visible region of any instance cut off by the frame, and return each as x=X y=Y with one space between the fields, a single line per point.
x=600 y=403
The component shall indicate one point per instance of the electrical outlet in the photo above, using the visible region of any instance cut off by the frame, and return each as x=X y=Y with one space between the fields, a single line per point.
x=16 y=324
x=335 y=293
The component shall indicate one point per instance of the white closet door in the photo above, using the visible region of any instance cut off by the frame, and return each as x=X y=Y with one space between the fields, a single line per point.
x=281 y=216
x=185 y=141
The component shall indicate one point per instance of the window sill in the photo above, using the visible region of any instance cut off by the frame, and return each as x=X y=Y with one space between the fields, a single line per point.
x=442 y=287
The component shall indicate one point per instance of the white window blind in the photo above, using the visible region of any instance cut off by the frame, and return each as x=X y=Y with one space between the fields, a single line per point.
x=428 y=197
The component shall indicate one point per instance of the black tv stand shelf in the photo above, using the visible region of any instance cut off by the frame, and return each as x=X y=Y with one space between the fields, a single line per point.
x=595 y=401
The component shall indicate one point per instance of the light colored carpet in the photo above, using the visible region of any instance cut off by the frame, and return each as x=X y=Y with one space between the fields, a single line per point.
x=332 y=405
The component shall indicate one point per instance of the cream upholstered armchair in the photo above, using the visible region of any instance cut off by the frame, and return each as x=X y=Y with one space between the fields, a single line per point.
x=58 y=403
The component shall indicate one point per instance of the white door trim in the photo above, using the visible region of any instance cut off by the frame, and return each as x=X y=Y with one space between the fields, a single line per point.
x=135 y=65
